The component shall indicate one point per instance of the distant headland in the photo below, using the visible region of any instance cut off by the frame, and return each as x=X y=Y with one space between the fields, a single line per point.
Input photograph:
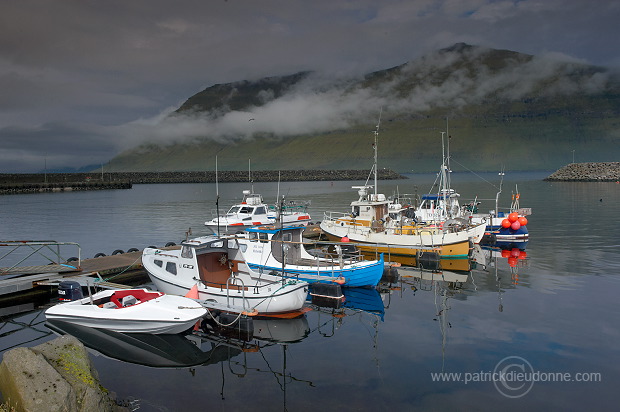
x=587 y=172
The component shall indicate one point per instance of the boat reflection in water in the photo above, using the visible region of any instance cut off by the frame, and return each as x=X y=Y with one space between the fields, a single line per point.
x=445 y=285
x=203 y=346
x=488 y=257
x=160 y=351
x=426 y=259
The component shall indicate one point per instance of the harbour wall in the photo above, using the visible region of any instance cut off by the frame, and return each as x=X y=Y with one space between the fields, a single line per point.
x=13 y=183
x=587 y=172
x=47 y=187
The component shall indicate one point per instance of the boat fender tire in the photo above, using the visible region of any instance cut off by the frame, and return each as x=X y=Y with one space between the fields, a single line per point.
x=170 y=244
x=100 y=254
x=72 y=259
x=117 y=252
x=133 y=249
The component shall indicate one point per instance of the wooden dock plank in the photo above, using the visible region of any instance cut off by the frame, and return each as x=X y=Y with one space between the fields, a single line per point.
x=105 y=265
x=33 y=270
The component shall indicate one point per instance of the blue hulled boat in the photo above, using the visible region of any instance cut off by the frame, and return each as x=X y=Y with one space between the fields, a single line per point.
x=282 y=250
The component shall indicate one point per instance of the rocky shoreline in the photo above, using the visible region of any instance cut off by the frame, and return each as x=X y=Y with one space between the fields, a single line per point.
x=587 y=172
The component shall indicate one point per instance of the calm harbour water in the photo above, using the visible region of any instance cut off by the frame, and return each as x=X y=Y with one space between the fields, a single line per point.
x=554 y=314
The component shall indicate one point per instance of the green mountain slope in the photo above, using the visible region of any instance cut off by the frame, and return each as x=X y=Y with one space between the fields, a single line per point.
x=504 y=109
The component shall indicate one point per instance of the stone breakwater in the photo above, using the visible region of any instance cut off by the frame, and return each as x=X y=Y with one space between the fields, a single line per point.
x=587 y=172
x=19 y=188
x=68 y=179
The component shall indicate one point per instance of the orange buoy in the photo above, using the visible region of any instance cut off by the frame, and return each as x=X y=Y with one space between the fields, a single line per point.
x=506 y=223
x=515 y=225
x=193 y=292
x=344 y=239
x=522 y=220
x=513 y=217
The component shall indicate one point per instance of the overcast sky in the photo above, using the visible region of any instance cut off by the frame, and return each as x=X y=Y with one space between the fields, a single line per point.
x=82 y=80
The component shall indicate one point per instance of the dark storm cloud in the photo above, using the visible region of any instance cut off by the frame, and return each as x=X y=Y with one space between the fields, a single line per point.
x=99 y=76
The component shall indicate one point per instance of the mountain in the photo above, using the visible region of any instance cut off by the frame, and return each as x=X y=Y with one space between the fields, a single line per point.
x=501 y=109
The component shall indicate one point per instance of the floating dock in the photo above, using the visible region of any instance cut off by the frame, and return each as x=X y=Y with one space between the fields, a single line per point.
x=26 y=278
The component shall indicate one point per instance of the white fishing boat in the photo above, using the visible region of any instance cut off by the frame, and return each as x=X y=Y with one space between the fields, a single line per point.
x=282 y=250
x=253 y=211
x=215 y=268
x=131 y=311
x=443 y=206
x=376 y=225
x=505 y=226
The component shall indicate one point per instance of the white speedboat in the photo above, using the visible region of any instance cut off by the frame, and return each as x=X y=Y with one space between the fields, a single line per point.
x=253 y=211
x=131 y=311
x=215 y=268
x=282 y=250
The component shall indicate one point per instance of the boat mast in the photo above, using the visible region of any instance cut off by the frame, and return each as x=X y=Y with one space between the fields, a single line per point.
x=375 y=147
x=217 y=199
x=442 y=180
x=501 y=181
x=448 y=182
x=250 y=176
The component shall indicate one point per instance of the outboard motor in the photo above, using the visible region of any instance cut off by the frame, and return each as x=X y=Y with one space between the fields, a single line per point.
x=69 y=290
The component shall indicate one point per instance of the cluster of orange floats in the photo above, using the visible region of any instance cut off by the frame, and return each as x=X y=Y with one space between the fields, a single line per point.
x=514 y=221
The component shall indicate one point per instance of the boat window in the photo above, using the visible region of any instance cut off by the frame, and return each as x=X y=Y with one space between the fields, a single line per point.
x=260 y=211
x=186 y=252
x=171 y=267
x=263 y=237
x=158 y=262
x=217 y=244
x=232 y=244
x=356 y=211
x=234 y=209
x=243 y=247
x=253 y=236
x=247 y=210
x=287 y=237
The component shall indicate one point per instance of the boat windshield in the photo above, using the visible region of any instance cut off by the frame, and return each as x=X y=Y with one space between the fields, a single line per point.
x=234 y=209
x=246 y=209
